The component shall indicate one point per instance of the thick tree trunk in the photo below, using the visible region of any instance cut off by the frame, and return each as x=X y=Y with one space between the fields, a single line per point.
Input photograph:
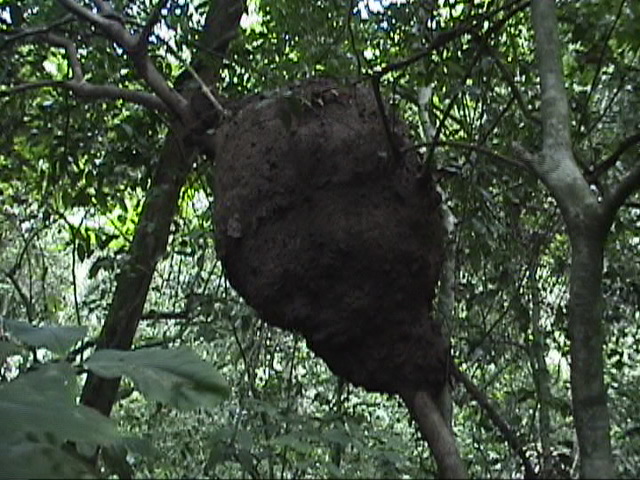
x=132 y=284
x=587 y=223
x=590 y=411
x=152 y=232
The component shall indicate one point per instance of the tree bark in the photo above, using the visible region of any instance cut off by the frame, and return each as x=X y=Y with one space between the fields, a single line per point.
x=587 y=225
x=446 y=303
x=437 y=433
x=589 y=396
x=132 y=283
x=153 y=229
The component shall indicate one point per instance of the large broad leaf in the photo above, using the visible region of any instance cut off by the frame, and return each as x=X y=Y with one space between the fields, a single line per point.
x=115 y=460
x=293 y=441
x=41 y=405
x=7 y=349
x=25 y=459
x=177 y=377
x=335 y=435
x=58 y=339
x=118 y=457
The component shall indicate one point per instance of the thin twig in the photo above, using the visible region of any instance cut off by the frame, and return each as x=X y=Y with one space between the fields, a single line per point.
x=206 y=91
x=395 y=152
x=604 y=111
x=444 y=38
x=142 y=39
x=596 y=77
x=480 y=149
x=511 y=82
x=449 y=109
x=489 y=130
x=31 y=32
x=144 y=66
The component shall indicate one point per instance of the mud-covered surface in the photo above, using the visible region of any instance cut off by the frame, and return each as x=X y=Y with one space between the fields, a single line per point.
x=324 y=231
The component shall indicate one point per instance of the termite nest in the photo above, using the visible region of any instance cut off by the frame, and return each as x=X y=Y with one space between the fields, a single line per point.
x=327 y=224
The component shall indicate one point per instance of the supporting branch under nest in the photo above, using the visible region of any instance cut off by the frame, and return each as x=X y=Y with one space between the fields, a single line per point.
x=437 y=434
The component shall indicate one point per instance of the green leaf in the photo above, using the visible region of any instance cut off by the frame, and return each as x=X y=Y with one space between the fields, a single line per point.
x=42 y=404
x=115 y=459
x=294 y=442
x=26 y=459
x=58 y=339
x=81 y=251
x=246 y=461
x=334 y=470
x=139 y=446
x=393 y=458
x=7 y=349
x=338 y=436
x=177 y=377
x=244 y=439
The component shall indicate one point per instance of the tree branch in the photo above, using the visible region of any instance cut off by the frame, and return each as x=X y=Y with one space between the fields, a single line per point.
x=150 y=241
x=142 y=43
x=30 y=32
x=480 y=149
x=145 y=68
x=437 y=433
x=443 y=38
x=440 y=41
x=511 y=82
x=556 y=166
x=629 y=184
x=352 y=36
x=86 y=14
x=596 y=76
x=88 y=91
x=70 y=49
x=78 y=85
x=502 y=426
x=612 y=159
x=587 y=223
x=393 y=147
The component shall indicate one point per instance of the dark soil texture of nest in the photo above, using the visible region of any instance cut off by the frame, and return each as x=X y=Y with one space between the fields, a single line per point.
x=325 y=231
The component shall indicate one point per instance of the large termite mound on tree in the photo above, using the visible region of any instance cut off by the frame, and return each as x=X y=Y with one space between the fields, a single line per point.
x=327 y=232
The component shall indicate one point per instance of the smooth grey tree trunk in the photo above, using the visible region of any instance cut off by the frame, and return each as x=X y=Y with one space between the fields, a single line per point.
x=587 y=220
x=588 y=391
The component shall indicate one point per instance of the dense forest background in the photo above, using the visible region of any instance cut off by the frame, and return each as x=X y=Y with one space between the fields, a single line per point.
x=528 y=114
